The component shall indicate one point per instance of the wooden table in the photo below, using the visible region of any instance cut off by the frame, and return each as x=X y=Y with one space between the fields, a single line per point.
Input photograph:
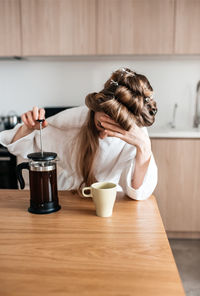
x=74 y=252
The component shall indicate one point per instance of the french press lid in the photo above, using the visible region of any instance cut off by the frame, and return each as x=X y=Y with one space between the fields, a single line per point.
x=45 y=156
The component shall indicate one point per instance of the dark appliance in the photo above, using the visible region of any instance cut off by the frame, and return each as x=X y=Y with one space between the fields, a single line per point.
x=50 y=111
x=8 y=161
x=8 y=178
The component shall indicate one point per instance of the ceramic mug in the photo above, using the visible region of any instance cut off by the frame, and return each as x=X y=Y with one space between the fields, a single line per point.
x=104 y=196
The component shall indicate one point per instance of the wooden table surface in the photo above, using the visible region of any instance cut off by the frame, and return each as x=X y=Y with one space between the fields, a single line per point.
x=74 y=252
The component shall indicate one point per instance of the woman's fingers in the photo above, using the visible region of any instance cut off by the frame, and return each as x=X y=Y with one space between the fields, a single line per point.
x=113 y=127
x=44 y=124
x=116 y=135
x=25 y=121
x=38 y=113
x=108 y=119
x=41 y=114
x=109 y=123
x=30 y=118
x=35 y=113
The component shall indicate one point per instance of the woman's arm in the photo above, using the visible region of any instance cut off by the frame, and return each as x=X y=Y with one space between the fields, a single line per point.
x=143 y=156
x=141 y=166
x=21 y=132
x=149 y=182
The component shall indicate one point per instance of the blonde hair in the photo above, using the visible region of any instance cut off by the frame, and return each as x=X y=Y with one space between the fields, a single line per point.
x=127 y=97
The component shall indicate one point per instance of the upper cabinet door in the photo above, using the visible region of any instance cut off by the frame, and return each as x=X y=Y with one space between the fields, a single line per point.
x=58 y=27
x=135 y=26
x=187 y=36
x=10 y=37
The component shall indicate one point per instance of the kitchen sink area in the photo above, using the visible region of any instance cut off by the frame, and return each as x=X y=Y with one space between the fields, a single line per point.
x=174 y=132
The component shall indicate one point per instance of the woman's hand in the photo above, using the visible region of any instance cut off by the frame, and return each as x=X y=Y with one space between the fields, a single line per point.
x=30 y=118
x=30 y=123
x=135 y=136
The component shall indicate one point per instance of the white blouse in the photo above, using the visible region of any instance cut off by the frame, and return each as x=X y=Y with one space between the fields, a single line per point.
x=115 y=159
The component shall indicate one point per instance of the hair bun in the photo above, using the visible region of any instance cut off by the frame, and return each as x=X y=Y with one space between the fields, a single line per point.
x=126 y=97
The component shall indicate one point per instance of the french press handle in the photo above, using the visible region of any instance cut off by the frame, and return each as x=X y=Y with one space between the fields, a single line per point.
x=19 y=168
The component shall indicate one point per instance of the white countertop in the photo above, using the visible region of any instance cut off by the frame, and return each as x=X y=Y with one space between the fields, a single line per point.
x=174 y=132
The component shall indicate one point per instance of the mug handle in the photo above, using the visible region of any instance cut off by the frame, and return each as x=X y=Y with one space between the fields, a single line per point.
x=89 y=194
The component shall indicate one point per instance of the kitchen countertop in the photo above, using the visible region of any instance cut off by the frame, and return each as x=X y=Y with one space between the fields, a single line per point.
x=74 y=252
x=174 y=133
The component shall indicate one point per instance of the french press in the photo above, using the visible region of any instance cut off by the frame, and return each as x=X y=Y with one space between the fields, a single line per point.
x=43 y=182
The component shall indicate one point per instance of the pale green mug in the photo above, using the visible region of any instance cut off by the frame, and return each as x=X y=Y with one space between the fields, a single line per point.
x=104 y=196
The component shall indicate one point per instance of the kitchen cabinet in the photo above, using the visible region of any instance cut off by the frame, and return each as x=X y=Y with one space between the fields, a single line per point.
x=87 y=27
x=178 y=189
x=135 y=26
x=10 y=33
x=99 y=27
x=187 y=37
x=61 y=27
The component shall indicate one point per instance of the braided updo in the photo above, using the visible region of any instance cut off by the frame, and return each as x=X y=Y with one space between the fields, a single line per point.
x=126 y=97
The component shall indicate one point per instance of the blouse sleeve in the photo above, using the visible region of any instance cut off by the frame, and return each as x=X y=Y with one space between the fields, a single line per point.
x=148 y=185
x=21 y=147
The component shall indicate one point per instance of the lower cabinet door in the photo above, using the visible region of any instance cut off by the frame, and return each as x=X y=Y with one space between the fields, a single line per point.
x=178 y=189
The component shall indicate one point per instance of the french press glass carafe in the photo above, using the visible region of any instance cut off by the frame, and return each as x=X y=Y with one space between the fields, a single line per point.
x=43 y=182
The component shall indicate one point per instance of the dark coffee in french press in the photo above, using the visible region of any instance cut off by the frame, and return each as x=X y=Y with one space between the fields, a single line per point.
x=44 y=185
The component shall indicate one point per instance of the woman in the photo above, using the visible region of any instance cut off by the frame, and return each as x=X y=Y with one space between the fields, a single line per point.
x=107 y=142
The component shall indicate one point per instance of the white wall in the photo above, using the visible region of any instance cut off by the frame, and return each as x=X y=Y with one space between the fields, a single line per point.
x=62 y=82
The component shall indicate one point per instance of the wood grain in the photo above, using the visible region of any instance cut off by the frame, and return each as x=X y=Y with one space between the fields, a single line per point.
x=74 y=252
x=187 y=37
x=135 y=26
x=10 y=30
x=61 y=27
x=177 y=192
x=183 y=234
